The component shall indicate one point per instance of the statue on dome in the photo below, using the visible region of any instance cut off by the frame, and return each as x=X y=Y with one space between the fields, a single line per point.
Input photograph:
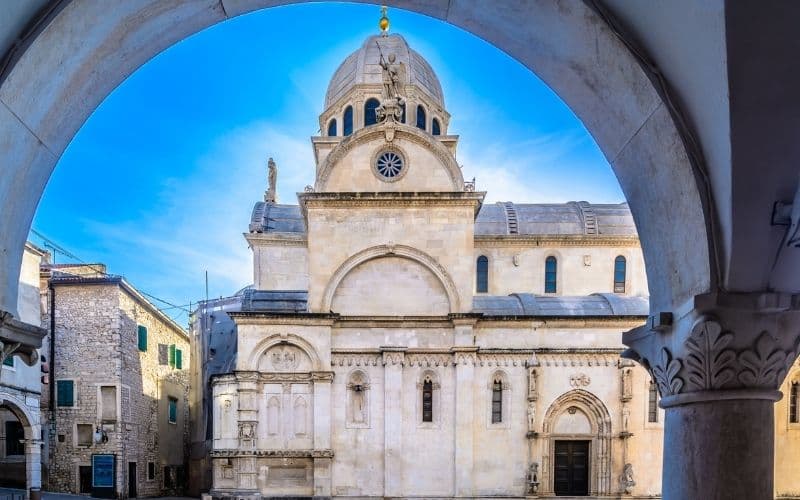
x=392 y=102
x=270 y=195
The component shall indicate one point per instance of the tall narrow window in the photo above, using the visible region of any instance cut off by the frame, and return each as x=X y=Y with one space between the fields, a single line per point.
x=436 y=129
x=482 y=275
x=172 y=355
x=497 y=401
x=172 y=408
x=421 y=118
x=550 y=274
x=619 y=274
x=427 y=400
x=793 y=416
x=332 y=128
x=347 y=121
x=370 y=117
x=652 y=402
x=403 y=109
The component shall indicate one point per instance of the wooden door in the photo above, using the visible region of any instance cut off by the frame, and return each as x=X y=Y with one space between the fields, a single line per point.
x=571 y=468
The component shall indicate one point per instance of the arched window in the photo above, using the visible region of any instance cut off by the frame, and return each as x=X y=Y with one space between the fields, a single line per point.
x=619 y=274
x=370 y=118
x=550 y=274
x=421 y=119
x=652 y=402
x=482 y=275
x=347 y=125
x=497 y=401
x=332 y=128
x=435 y=127
x=427 y=400
x=403 y=117
x=793 y=390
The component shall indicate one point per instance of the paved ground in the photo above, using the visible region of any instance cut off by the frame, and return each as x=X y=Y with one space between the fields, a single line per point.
x=12 y=494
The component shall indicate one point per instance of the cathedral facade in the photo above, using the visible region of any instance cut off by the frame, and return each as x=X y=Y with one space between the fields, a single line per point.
x=404 y=339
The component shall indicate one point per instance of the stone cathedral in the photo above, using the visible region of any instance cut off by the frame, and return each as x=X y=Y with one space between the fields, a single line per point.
x=403 y=339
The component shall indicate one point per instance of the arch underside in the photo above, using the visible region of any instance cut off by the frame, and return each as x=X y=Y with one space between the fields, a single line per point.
x=74 y=63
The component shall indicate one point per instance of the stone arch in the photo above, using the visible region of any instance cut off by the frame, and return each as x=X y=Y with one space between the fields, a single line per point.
x=599 y=434
x=403 y=251
x=283 y=339
x=578 y=50
x=401 y=131
x=31 y=426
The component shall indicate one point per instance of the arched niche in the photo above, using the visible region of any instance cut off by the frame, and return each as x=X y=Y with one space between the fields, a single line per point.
x=419 y=284
x=287 y=353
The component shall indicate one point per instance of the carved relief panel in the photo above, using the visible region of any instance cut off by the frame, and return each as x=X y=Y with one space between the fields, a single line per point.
x=286 y=416
x=284 y=358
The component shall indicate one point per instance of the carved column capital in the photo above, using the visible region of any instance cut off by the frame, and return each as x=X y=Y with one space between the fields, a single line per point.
x=724 y=346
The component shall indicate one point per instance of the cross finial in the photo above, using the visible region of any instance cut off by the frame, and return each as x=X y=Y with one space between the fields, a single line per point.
x=383 y=24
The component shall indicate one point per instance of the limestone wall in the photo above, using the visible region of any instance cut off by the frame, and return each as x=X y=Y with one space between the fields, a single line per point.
x=279 y=265
x=787 y=441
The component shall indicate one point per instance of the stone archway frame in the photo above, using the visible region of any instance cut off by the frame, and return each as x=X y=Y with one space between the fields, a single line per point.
x=403 y=251
x=399 y=131
x=67 y=64
x=600 y=473
x=32 y=429
x=288 y=339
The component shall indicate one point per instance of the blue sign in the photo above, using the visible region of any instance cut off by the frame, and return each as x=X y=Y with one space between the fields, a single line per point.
x=103 y=471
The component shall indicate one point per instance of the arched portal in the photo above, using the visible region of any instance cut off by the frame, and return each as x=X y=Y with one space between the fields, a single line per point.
x=578 y=416
x=21 y=433
x=569 y=46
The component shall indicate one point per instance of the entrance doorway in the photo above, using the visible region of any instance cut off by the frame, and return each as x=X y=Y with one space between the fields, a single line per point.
x=571 y=468
x=85 y=476
x=132 y=480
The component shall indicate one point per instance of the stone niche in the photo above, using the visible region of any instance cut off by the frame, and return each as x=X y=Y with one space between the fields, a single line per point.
x=285 y=358
x=285 y=476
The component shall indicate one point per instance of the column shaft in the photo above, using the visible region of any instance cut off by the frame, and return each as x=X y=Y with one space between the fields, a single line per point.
x=465 y=383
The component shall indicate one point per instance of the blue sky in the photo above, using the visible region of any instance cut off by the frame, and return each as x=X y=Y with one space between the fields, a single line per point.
x=160 y=181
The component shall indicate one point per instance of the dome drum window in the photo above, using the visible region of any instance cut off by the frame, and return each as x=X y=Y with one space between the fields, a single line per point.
x=389 y=165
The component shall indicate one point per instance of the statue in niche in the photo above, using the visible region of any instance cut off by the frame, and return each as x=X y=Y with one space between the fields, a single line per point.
x=626 y=479
x=627 y=389
x=533 y=478
x=626 y=415
x=532 y=395
x=270 y=196
x=531 y=416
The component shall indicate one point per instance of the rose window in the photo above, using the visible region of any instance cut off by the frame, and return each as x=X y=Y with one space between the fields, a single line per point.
x=389 y=164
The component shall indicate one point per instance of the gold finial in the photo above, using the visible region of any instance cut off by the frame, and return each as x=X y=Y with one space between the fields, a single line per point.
x=383 y=24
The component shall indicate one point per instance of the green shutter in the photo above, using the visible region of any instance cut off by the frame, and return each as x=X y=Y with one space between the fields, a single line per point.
x=178 y=359
x=173 y=410
x=142 y=338
x=172 y=355
x=9 y=361
x=65 y=389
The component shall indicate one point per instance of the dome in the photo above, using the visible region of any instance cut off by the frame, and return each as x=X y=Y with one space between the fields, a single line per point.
x=362 y=67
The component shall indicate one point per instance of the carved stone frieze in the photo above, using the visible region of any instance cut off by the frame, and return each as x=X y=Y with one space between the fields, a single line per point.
x=728 y=349
x=429 y=359
x=356 y=359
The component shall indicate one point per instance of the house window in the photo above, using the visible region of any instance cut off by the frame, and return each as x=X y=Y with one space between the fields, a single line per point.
x=108 y=403
x=436 y=129
x=142 y=341
x=173 y=410
x=178 y=359
x=427 y=400
x=550 y=274
x=15 y=436
x=347 y=121
x=332 y=128
x=65 y=392
x=793 y=416
x=370 y=115
x=151 y=471
x=172 y=355
x=497 y=401
x=85 y=434
x=652 y=402
x=619 y=274
x=8 y=361
x=482 y=275
x=421 y=119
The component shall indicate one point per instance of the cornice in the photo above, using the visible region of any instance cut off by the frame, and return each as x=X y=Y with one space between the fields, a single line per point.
x=277 y=239
x=556 y=240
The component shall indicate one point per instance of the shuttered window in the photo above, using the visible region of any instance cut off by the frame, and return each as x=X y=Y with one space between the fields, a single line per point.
x=173 y=410
x=142 y=334
x=172 y=355
x=178 y=359
x=65 y=390
x=8 y=361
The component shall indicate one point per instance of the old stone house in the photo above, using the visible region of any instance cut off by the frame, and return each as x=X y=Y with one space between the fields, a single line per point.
x=117 y=408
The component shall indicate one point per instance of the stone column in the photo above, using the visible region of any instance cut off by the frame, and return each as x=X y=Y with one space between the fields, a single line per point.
x=33 y=467
x=322 y=433
x=393 y=359
x=718 y=363
x=465 y=419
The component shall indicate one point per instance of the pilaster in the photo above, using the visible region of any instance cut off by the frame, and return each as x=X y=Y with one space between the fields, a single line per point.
x=465 y=419
x=393 y=360
x=718 y=362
